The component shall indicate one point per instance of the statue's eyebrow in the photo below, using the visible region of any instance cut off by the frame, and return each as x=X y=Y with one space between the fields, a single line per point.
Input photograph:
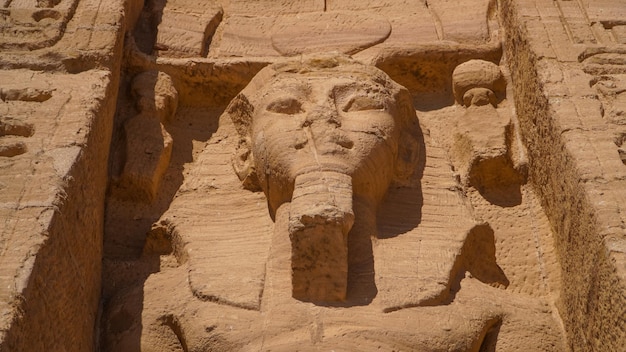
x=300 y=86
x=345 y=90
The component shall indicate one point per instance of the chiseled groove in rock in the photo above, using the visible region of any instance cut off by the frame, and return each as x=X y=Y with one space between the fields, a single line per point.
x=219 y=300
x=436 y=20
x=25 y=94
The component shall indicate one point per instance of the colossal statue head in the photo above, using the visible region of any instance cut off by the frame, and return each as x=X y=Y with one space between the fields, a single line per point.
x=322 y=133
x=323 y=114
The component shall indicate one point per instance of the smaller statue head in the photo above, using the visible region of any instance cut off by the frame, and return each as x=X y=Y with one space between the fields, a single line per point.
x=155 y=94
x=477 y=82
x=328 y=114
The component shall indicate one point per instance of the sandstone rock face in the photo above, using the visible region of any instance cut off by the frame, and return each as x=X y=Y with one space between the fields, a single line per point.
x=234 y=175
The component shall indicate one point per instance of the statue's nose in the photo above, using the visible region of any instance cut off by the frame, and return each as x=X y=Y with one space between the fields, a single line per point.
x=322 y=114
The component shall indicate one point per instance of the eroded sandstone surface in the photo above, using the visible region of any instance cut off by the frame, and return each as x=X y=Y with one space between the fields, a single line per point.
x=232 y=175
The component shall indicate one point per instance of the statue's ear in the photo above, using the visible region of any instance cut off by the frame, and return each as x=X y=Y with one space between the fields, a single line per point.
x=408 y=157
x=409 y=146
x=243 y=163
x=240 y=111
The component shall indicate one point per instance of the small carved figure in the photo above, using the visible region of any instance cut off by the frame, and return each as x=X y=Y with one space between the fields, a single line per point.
x=485 y=142
x=148 y=144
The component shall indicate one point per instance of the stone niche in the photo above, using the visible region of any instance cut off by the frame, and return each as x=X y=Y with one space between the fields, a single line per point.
x=213 y=175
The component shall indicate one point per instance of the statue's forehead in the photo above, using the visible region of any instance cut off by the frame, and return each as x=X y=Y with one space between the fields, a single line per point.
x=306 y=83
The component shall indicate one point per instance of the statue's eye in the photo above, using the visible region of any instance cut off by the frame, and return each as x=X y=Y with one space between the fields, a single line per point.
x=288 y=106
x=362 y=103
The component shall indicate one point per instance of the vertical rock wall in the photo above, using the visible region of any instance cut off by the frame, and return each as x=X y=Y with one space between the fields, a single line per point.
x=576 y=172
x=53 y=178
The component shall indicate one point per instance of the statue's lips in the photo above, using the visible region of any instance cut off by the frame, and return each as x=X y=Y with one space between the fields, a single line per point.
x=324 y=165
x=328 y=148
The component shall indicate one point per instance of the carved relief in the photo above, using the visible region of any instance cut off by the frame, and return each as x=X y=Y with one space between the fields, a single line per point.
x=185 y=28
x=34 y=24
x=336 y=208
x=13 y=128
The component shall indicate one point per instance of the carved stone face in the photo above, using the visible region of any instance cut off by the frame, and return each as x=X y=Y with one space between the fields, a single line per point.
x=332 y=115
x=346 y=123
